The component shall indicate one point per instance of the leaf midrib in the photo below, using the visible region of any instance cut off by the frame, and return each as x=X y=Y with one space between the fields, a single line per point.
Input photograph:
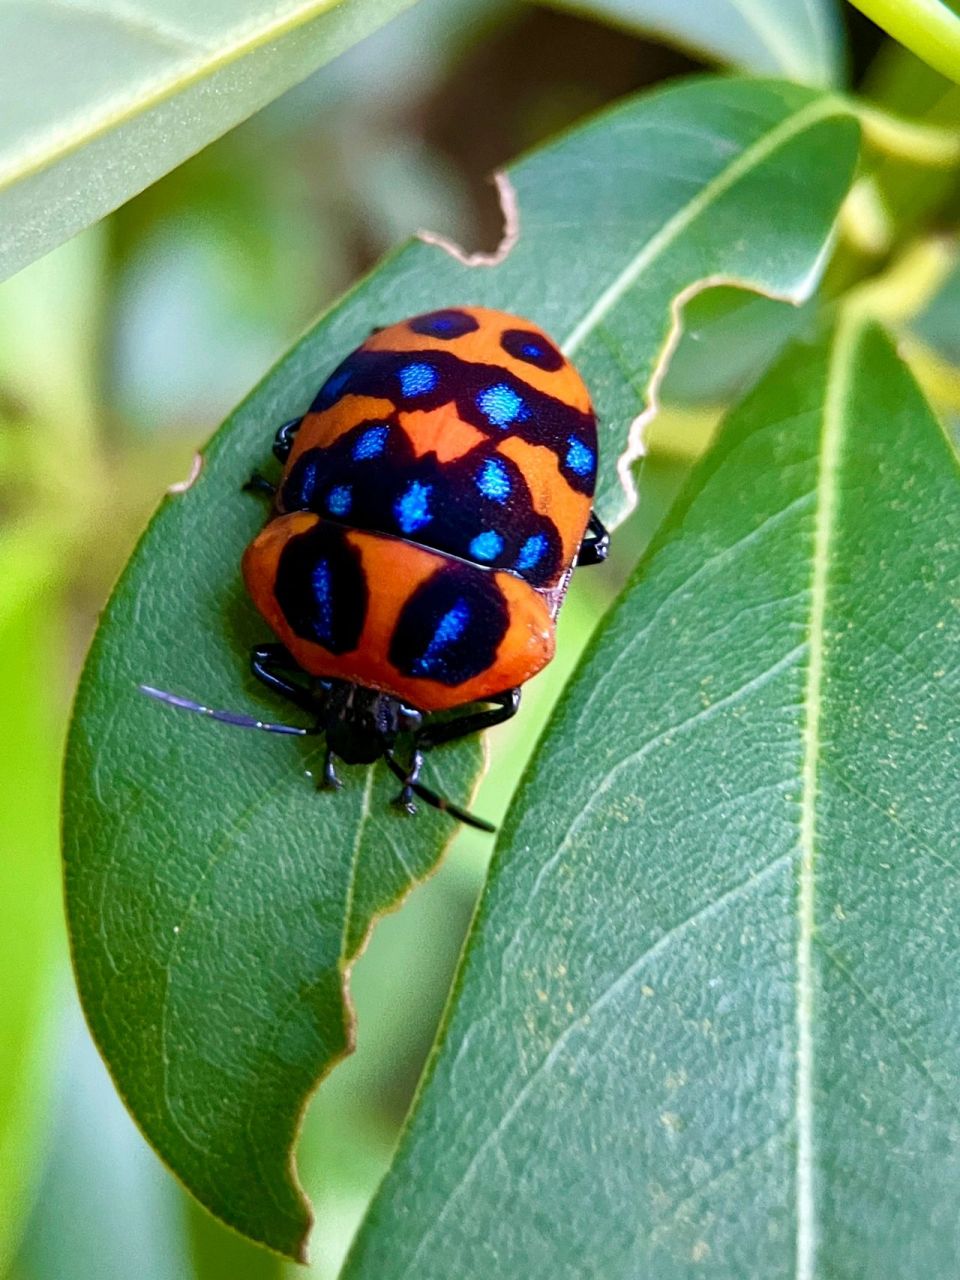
x=821 y=108
x=834 y=418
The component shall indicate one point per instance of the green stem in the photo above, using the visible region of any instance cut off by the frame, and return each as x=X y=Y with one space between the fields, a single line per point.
x=922 y=144
x=928 y=27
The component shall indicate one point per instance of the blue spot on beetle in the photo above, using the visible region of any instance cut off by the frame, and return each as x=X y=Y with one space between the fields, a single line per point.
x=449 y=629
x=412 y=508
x=531 y=553
x=371 y=444
x=320 y=582
x=418 y=379
x=339 y=500
x=580 y=457
x=501 y=405
x=493 y=481
x=486 y=546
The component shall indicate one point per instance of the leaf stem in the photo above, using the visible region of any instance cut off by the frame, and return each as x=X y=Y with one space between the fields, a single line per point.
x=924 y=144
x=927 y=27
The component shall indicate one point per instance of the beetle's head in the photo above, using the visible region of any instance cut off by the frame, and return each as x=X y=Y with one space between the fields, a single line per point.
x=361 y=724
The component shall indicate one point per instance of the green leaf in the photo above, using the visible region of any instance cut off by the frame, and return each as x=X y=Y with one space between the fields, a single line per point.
x=707 y=1020
x=215 y=902
x=30 y=930
x=798 y=39
x=148 y=85
x=729 y=337
x=930 y=28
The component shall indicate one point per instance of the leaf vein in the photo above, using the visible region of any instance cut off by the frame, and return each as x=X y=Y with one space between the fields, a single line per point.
x=610 y=992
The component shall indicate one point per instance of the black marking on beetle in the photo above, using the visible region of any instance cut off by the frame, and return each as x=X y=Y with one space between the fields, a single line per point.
x=487 y=396
x=322 y=589
x=532 y=347
x=451 y=627
x=461 y=508
x=444 y=324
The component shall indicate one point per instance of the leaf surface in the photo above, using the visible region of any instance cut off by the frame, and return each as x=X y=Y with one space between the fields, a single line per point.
x=215 y=902
x=149 y=83
x=707 y=1022
x=797 y=39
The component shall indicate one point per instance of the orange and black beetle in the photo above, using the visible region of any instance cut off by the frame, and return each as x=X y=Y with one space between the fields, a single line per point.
x=435 y=499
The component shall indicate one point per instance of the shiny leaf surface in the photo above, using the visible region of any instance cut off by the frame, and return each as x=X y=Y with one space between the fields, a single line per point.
x=707 y=1022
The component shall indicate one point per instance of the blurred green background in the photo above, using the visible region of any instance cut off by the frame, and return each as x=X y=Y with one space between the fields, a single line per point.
x=119 y=354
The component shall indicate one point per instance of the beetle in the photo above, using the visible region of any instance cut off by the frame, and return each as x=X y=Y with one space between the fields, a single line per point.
x=434 y=501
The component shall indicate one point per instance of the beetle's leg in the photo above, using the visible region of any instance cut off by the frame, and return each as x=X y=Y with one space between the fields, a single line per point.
x=283 y=440
x=330 y=780
x=596 y=543
x=260 y=484
x=405 y=799
x=266 y=663
x=507 y=706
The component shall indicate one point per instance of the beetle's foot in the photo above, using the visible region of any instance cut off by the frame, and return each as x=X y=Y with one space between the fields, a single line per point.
x=261 y=485
x=330 y=781
x=405 y=800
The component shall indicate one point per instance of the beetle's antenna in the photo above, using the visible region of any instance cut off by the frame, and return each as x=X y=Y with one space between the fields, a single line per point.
x=431 y=797
x=225 y=717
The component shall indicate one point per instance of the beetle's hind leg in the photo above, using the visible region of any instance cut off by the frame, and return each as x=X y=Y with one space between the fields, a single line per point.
x=404 y=800
x=282 y=445
x=506 y=706
x=283 y=440
x=272 y=664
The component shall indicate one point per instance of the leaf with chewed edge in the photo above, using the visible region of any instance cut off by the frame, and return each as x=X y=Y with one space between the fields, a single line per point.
x=215 y=902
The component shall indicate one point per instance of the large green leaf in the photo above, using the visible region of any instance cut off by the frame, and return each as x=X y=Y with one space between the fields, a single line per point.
x=799 y=39
x=215 y=903
x=97 y=100
x=708 y=1020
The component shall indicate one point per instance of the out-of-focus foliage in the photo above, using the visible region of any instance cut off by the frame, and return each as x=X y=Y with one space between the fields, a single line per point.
x=899 y=82
x=98 y=1174
x=938 y=324
x=797 y=39
x=30 y=747
x=99 y=100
